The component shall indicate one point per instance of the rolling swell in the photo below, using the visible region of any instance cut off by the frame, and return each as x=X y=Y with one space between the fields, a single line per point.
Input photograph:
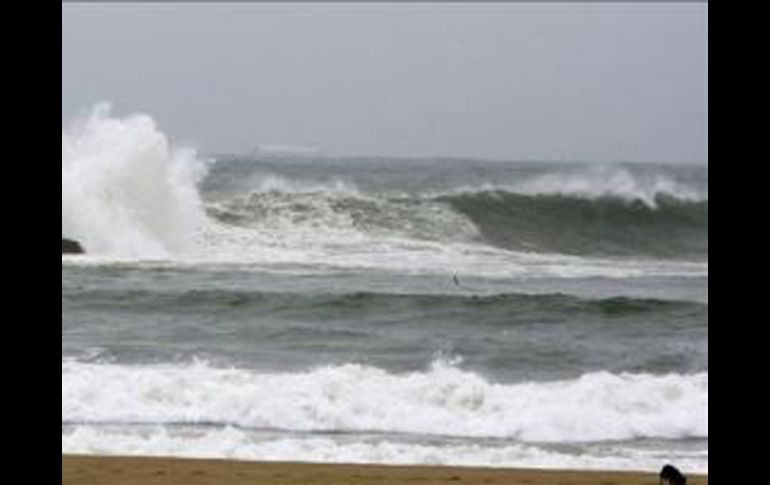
x=506 y=335
x=506 y=309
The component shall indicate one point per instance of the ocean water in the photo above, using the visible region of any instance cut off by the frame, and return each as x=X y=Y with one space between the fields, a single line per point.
x=378 y=310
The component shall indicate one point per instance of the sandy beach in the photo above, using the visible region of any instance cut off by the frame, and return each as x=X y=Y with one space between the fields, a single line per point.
x=90 y=470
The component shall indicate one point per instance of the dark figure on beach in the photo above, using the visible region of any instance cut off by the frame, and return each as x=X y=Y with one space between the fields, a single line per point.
x=69 y=246
x=671 y=476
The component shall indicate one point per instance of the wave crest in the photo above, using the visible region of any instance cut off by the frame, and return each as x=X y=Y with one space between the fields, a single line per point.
x=443 y=401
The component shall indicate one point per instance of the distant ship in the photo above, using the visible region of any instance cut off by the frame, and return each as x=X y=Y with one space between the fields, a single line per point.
x=288 y=151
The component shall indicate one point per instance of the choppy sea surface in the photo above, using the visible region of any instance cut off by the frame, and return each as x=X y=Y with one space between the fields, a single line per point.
x=377 y=310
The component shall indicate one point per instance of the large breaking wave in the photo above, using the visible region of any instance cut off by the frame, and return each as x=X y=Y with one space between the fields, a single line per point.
x=127 y=192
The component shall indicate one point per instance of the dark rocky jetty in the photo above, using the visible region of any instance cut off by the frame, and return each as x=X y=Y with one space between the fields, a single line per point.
x=68 y=246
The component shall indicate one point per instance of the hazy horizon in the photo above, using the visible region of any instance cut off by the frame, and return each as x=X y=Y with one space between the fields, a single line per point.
x=553 y=82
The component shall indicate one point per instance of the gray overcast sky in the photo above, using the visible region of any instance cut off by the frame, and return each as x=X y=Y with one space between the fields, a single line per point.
x=508 y=81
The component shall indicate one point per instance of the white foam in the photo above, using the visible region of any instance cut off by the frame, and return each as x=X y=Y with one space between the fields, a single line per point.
x=599 y=181
x=271 y=182
x=231 y=443
x=125 y=191
x=444 y=400
x=245 y=249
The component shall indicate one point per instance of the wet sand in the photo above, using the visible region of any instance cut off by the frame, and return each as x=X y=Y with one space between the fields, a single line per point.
x=99 y=470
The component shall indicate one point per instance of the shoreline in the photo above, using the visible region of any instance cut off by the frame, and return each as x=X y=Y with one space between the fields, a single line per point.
x=122 y=470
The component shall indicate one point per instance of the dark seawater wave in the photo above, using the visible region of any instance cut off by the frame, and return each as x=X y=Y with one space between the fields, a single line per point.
x=572 y=225
x=603 y=226
x=507 y=336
